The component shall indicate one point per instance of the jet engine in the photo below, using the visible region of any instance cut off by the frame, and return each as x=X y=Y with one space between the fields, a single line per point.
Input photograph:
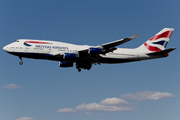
x=65 y=64
x=96 y=50
x=68 y=56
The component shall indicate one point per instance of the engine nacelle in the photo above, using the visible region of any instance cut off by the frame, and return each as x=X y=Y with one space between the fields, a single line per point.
x=70 y=55
x=65 y=64
x=97 y=50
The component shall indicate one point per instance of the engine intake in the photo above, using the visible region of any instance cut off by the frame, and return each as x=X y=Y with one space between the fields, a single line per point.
x=70 y=55
x=95 y=50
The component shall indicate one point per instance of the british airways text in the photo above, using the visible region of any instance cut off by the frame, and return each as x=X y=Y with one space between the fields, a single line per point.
x=51 y=47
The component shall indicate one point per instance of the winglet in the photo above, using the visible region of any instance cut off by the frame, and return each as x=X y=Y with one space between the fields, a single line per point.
x=134 y=36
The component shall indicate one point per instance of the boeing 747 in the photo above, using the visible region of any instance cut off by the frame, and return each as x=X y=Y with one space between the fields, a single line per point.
x=85 y=56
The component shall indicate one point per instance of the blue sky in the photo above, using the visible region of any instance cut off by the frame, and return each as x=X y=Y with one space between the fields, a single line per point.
x=40 y=90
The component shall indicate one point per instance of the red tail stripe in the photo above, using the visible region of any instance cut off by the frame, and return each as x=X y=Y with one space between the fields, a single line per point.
x=151 y=48
x=166 y=34
x=170 y=34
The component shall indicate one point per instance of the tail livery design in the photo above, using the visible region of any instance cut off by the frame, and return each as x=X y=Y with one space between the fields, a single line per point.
x=159 y=41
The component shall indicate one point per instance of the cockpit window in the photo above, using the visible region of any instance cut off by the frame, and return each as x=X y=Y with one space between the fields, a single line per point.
x=17 y=40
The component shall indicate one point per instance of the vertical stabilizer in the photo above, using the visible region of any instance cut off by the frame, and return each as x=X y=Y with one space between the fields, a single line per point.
x=158 y=42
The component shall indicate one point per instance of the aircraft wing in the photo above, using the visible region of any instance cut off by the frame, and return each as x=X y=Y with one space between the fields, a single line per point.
x=118 y=42
x=57 y=54
x=109 y=47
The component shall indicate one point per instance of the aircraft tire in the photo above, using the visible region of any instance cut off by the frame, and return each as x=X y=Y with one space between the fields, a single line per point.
x=20 y=62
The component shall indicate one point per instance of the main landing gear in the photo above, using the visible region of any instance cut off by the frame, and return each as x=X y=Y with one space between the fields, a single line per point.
x=21 y=62
x=83 y=65
x=79 y=69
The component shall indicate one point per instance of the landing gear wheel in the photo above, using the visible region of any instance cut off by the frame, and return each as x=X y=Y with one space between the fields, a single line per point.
x=79 y=70
x=20 y=62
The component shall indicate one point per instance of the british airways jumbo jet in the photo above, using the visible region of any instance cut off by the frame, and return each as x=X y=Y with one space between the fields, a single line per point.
x=84 y=56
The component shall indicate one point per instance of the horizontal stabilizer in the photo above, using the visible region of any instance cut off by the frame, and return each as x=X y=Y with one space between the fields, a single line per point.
x=163 y=52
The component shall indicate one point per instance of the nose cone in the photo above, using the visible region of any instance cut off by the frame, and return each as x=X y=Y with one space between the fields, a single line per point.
x=5 y=48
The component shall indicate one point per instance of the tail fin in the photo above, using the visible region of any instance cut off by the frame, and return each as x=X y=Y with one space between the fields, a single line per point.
x=158 y=42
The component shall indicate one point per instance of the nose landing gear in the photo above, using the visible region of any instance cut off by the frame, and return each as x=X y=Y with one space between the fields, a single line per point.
x=21 y=62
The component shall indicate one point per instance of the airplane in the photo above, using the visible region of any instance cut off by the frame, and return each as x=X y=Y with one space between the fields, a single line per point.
x=85 y=56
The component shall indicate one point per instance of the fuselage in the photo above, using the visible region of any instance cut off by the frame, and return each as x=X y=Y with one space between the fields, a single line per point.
x=41 y=49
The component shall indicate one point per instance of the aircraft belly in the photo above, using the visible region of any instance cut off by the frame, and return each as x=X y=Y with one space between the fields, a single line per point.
x=35 y=55
x=115 y=60
x=118 y=58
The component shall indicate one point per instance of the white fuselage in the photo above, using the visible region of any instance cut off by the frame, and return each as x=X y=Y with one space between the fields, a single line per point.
x=40 y=49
